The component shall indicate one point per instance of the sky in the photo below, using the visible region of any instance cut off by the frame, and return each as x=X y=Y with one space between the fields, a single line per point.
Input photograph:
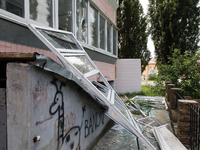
x=150 y=44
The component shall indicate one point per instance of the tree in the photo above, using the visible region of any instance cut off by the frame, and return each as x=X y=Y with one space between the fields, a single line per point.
x=133 y=35
x=184 y=71
x=174 y=25
x=33 y=9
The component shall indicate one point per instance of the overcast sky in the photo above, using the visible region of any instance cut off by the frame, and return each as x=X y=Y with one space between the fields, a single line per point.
x=150 y=44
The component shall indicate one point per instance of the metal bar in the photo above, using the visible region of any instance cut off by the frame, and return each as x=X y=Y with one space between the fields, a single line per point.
x=190 y=127
x=196 y=127
x=198 y=130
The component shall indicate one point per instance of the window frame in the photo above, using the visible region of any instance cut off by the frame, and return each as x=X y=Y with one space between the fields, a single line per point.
x=55 y=22
x=81 y=76
x=113 y=112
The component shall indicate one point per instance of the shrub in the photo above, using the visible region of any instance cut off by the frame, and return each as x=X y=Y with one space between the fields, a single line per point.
x=152 y=77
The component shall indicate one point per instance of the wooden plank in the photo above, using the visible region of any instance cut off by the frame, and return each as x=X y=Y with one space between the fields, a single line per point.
x=11 y=56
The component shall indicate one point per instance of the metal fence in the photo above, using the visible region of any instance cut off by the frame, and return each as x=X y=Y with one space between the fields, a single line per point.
x=194 y=123
x=194 y=127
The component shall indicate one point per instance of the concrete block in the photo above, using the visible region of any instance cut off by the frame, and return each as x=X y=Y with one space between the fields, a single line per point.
x=3 y=120
x=40 y=105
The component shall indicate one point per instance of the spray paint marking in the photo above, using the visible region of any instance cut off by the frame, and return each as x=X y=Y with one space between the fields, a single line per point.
x=41 y=122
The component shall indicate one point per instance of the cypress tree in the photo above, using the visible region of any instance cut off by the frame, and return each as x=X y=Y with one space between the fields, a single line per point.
x=174 y=25
x=133 y=34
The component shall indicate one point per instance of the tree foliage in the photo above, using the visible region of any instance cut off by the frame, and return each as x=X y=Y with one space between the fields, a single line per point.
x=133 y=34
x=174 y=25
x=184 y=71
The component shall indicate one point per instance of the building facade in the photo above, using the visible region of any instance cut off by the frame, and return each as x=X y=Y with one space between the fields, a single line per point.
x=151 y=68
x=93 y=23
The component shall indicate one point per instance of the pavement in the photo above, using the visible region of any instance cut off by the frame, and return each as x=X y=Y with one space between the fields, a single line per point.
x=147 y=83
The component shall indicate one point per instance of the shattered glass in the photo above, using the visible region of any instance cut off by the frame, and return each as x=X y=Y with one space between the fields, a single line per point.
x=81 y=63
x=60 y=40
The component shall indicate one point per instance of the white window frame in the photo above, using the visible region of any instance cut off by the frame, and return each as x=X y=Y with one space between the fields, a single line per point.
x=113 y=112
x=55 y=22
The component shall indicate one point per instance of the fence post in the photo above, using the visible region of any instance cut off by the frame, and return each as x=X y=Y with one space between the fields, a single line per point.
x=174 y=98
x=169 y=86
x=167 y=90
x=183 y=120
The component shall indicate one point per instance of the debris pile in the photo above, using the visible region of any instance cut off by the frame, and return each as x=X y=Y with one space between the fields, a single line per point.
x=154 y=122
x=154 y=130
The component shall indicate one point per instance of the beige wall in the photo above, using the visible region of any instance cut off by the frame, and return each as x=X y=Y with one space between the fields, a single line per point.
x=145 y=73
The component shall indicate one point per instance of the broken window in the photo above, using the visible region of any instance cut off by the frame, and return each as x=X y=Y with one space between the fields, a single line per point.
x=41 y=11
x=14 y=6
x=73 y=57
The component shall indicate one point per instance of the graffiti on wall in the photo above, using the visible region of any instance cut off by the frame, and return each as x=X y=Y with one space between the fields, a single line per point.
x=69 y=134
x=93 y=123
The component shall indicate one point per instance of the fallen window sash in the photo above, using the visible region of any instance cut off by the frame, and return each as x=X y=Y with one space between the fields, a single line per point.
x=117 y=110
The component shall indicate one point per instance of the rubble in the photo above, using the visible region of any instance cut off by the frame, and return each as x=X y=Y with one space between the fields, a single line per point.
x=151 y=122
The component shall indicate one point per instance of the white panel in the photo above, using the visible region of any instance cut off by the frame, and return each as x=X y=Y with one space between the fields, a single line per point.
x=128 y=76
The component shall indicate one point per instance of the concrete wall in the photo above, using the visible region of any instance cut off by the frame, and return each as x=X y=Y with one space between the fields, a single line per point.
x=128 y=76
x=59 y=112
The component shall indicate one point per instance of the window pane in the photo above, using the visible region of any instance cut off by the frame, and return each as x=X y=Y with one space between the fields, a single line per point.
x=93 y=26
x=65 y=15
x=14 y=6
x=103 y=89
x=108 y=37
x=60 y=40
x=81 y=63
x=41 y=11
x=122 y=110
x=81 y=20
x=102 y=32
x=114 y=41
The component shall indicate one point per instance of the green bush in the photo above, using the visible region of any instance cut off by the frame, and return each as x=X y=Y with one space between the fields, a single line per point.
x=183 y=70
x=152 y=77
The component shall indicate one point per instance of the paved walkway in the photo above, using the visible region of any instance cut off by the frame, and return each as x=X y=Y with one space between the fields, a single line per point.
x=147 y=82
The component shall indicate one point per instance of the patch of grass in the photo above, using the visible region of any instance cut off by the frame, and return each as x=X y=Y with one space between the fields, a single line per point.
x=146 y=90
